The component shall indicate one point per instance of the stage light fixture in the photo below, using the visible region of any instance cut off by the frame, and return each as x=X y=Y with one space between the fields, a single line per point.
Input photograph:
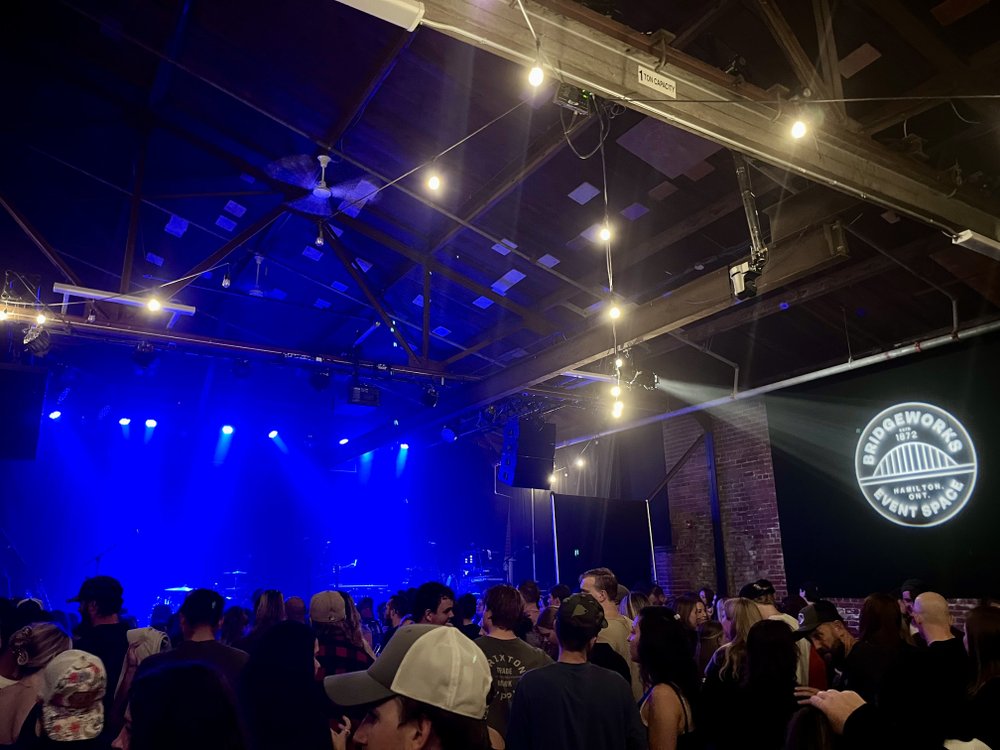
x=615 y=312
x=154 y=305
x=150 y=423
x=144 y=354
x=799 y=129
x=430 y=397
x=536 y=76
x=37 y=341
x=54 y=415
x=124 y=421
x=40 y=319
x=272 y=434
x=226 y=281
x=404 y=446
x=434 y=182
x=344 y=441
x=227 y=429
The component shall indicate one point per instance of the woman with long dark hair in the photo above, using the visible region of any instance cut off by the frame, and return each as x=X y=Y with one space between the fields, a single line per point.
x=660 y=646
x=768 y=687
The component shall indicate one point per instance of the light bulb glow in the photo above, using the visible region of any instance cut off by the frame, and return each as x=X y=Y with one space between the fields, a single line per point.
x=581 y=463
x=404 y=446
x=3 y=315
x=617 y=409
x=605 y=233
x=227 y=429
x=799 y=129
x=53 y=415
x=434 y=182
x=344 y=441
x=619 y=363
x=616 y=391
x=124 y=421
x=154 y=305
x=615 y=312
x=150 y=423
x=272 y=434
x=552 y=478
x=40 y=319
x=536 y=76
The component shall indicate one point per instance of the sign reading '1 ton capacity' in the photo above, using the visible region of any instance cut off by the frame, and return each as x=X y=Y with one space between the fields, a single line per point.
x=916 y=464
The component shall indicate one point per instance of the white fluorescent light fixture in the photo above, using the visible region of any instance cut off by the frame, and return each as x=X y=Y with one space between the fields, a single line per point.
x=980 y=243
x=404 y=13
x=131 y=300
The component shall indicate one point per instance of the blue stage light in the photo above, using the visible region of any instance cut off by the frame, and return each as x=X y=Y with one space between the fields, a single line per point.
x=272 y=434
x=227 y=429
x=124 y=421
x=55 y=414
x=404 y=446
x=344 y=441
x=150 y=423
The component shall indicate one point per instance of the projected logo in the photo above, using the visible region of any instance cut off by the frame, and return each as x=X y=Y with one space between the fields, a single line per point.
x=916 y=465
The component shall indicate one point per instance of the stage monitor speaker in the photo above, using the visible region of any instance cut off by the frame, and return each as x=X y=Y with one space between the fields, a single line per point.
x=22 y=391
x=529 y=450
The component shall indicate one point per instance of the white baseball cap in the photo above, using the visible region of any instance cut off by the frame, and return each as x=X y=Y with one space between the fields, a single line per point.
x=432 y=664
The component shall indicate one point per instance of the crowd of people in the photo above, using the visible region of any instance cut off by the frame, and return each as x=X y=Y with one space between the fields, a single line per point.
x=517 y=668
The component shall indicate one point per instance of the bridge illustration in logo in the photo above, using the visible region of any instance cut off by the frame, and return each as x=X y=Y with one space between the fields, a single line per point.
x=915 y=461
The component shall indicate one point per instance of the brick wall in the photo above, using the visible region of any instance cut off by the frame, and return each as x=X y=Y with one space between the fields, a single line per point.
x=749 y=511
x=850 y=610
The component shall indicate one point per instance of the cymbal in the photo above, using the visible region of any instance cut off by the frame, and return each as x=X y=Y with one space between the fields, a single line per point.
x=234 y=573
x=179 y=588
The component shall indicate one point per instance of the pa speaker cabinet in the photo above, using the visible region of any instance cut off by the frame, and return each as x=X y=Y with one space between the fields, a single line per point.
x=529 y=449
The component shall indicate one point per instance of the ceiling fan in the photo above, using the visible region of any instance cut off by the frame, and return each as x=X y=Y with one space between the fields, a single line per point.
x=324 y=199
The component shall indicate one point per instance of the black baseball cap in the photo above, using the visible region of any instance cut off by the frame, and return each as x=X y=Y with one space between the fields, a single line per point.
x=814 y=615
x=99 y=589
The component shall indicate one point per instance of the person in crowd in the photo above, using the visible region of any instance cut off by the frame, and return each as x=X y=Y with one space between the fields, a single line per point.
x=809 y=729
x=910 y=589
x=767 y=694
x=601 y=584
x=849 y=665
x=545 y=630
x=883 y=655
x=726 y=670
x=71 y=708
x=809 y=593
x=397 y=612
x=710 y=639
x=573 y=703
x=235 y=622
x=433 y=604
x=32 y=648
x=269 y=611
x=509 y=657
x=337 y=625
x=982 y=638
x=201 y=620
x=656 y=597
x=670 y=678
x=295 y=609
x=557 y=593
x=159 y=618
x=707 y=596
x=465 y=613
x=633 y=604
x=103 y=634
x=427 y=691
x=281 y=699
x=762 y=593
x=184 y=705
x=692 y=613
x=366 y=608
x=532 y=595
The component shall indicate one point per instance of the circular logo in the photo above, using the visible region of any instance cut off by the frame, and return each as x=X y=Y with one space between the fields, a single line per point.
x=916 y=465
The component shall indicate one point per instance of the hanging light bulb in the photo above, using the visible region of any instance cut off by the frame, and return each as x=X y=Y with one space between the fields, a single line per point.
x=580 y=463
x=616 y=391
x=226 y=281
x=434 y=182
x=3 y=315
x=619 y=363
x=615 y=312
x=154 y=305
x=605 y=233
x=40 y=319
x=536 y=76
x=617 y=409
x=799 y=129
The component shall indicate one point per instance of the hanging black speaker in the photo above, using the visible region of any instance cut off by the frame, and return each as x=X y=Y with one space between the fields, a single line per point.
x=529 y=449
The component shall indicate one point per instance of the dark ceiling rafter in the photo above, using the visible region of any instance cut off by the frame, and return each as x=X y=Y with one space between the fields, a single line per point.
x=700 y=23
x=135 y=205
x=388 y=320
x=50 y=253
x=603 y=55
x=172 y=288
x=532 y=319
x=829 y=60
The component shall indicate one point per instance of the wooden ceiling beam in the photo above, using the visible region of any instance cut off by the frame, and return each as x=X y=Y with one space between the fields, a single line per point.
x=791 y=48
x=604 y=56
x=700 y=24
